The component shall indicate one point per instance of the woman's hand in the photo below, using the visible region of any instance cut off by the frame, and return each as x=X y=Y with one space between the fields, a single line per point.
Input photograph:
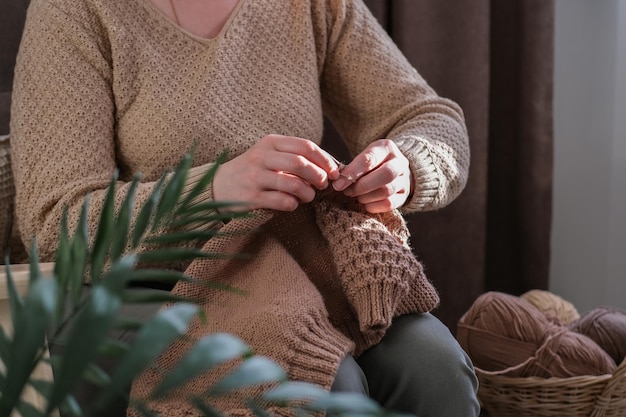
x=379 y=177
x=278 y=172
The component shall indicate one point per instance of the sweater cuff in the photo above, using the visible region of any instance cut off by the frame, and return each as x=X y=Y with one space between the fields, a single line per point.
x=375 y=305
x=426 y=181
x=194 y=176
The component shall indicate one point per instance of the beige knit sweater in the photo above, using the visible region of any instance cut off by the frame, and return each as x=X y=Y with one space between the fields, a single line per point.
x=113 y=84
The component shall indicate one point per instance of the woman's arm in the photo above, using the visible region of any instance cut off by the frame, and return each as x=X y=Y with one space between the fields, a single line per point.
x=372 y=92
x=62 y=124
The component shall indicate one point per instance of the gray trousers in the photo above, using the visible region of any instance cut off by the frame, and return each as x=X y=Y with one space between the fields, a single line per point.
x=417 y=368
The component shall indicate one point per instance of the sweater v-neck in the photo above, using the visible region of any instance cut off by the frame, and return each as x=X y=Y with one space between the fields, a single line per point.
x=200 y=39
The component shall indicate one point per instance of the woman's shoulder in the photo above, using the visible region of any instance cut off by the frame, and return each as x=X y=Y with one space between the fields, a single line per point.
x=96 y=20
x=85 y=12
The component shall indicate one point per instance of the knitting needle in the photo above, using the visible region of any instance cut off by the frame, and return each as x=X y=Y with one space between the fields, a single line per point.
x=341 y=166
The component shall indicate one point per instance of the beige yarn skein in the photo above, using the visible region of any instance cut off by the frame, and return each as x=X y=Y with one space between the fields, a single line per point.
x=554 y=308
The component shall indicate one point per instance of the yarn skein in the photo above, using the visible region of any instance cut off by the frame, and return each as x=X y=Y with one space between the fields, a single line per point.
x=507 y=335
x=555 y=308
x=607 y=327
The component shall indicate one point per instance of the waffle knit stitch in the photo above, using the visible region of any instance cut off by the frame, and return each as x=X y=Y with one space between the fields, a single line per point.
x=312 y=296
x=113 y=84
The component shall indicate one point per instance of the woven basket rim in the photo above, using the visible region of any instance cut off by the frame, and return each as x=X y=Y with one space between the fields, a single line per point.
x=539 y=381
x=621 y=369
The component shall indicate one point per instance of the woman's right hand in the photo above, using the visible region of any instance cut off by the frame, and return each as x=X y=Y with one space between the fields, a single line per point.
x=278 y=172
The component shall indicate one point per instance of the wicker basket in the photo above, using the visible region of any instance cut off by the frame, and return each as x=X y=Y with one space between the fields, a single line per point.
x=581 y=396
x=7 y=192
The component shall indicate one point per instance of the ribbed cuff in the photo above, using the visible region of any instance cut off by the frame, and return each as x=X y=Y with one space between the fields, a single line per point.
x=375 y=305
x=318 y=352
x=425 y=177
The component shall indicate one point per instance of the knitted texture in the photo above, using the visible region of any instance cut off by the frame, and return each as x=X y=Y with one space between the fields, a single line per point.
x=108 y=84
x=291 y=311
x=280 y=316
x=374 y=261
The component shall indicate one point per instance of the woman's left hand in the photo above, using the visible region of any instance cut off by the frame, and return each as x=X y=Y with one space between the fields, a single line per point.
x=379 y=177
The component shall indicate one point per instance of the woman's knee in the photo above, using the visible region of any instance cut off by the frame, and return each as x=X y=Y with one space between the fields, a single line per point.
x=419 y=343
x=350 y=377
x=419 y=366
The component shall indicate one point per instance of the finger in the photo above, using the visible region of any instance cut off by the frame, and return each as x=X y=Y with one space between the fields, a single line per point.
x=323 y=159
x=335 y=173
x=387 y=177
x=276 y=200
x=310 y=150
x=382 y=193
x=288 y=184
x=385 y=205
x=374 y=155
x=298 y=165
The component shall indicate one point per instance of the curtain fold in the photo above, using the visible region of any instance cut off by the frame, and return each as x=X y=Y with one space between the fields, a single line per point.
x=12 y=16
x=495 y=59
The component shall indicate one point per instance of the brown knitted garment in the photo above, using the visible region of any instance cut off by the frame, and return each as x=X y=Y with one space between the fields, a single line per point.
x=106 y=84
x=314 y=293
x=376 y=266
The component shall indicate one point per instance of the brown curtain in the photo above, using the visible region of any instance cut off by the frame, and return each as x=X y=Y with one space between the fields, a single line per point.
x=495 y=59
x=12 y=15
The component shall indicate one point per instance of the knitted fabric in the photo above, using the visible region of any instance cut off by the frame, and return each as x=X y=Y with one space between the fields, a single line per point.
x=302 y=308
x=109 y=84
x=375 y=263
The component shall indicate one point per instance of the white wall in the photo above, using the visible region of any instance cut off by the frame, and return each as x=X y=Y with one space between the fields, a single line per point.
x=589 y=218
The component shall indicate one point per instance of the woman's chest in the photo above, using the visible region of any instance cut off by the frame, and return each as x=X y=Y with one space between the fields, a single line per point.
x=203 y=18
x=217 y=96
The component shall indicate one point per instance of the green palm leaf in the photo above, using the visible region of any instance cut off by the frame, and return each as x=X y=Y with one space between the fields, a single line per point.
x=146 y=213
x=30 y=324
x=122 y=223
x=106 y=225
x=255 y=370
x=153 y=338
x=89 y=331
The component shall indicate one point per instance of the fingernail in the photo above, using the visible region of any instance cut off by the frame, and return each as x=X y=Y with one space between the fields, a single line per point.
x=341 y=184
x=334 y=175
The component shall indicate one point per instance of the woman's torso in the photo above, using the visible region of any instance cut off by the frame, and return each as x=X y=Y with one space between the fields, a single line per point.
x=173 y=89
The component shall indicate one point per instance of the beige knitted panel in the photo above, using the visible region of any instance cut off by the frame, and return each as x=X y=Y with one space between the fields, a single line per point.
x=7 y=194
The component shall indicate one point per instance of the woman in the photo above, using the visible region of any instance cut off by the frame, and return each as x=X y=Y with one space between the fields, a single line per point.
x=133 y=84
